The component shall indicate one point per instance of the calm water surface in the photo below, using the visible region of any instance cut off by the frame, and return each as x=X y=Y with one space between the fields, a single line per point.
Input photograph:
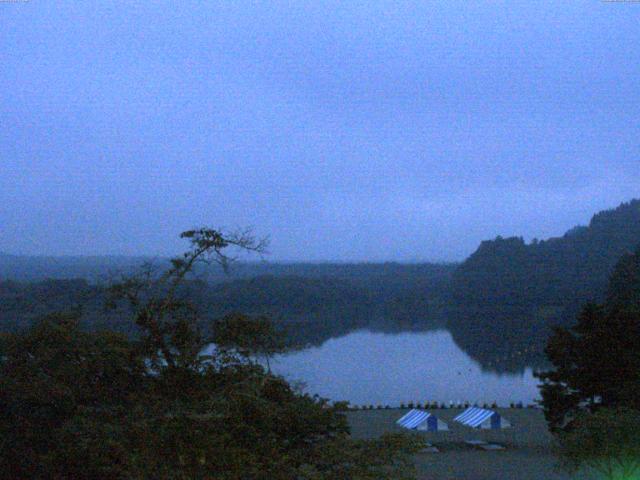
x=376 y=368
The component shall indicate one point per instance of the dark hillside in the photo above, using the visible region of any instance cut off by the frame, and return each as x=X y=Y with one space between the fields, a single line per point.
x=576 y=266
x=510 y=290
x=321 y=301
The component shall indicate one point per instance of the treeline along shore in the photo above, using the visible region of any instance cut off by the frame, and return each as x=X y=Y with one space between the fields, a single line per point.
x=500 y=304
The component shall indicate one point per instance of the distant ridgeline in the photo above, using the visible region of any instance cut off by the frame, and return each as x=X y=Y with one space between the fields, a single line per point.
x=507 y=295
x=97 y=269
x=27 y=268
x=310 y=302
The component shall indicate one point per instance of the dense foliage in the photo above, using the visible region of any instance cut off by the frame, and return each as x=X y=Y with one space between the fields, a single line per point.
x=607 y=441
x=590 y=397
x=596 y=362
x=84 y=405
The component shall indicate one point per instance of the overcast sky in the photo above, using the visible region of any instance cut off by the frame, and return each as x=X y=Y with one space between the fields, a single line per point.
x=343 y=130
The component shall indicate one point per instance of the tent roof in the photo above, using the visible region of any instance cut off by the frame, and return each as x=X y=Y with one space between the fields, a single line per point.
x=413 y=418
x=474 y=416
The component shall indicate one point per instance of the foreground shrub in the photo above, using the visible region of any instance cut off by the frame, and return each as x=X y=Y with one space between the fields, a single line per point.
x=607 y=441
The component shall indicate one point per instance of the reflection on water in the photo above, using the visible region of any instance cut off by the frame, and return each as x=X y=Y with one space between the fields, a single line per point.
x=376 y=368
x=503 y=339
x=500 y=339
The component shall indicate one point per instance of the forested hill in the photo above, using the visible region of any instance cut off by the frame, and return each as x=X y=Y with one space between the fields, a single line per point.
x=508 y=294
x=577 y=266
x=318 y=302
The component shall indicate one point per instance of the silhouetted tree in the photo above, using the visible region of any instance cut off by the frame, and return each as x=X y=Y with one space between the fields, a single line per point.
x=87 y=405
x=596 y=361
x=252 y=338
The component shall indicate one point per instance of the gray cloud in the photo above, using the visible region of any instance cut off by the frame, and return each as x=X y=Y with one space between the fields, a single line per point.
x=380 y=131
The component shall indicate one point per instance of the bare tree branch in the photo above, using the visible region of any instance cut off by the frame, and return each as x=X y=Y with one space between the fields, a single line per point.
x=152 y=294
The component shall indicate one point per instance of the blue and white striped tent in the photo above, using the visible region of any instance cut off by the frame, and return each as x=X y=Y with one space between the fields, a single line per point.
x=475 y=417
x=421 y=420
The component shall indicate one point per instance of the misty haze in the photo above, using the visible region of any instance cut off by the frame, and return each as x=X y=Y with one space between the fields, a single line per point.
x=320 y=240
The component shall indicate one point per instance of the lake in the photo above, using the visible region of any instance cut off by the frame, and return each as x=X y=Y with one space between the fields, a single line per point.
x=379 y=368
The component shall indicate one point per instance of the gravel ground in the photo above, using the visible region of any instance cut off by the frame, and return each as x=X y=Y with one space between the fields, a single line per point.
x=528 y=454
